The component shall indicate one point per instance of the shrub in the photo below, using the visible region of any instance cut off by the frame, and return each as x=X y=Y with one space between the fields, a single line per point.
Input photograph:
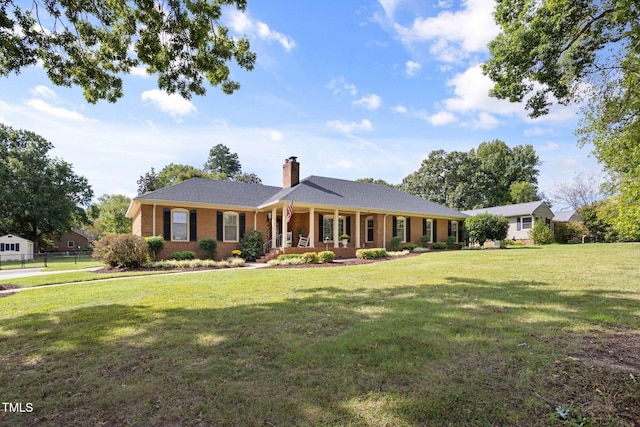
x=183 y=255
x=209 y=246
x=156 y=244
x=398 y=253
x=251 y=245
x=410 y=247
x=326 y=257
x=394 y=245
x=283 y=257
x=439 y=245
x=122 y=250
x=371 y=253
x=541 y=233
x=236 y=253
x=287 y=261
x=483 y=227
x=310 y=257
x=420 y=250
x=425 y=240
x=451 y=242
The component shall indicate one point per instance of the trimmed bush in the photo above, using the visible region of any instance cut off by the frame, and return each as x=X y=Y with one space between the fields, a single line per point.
x=409 y=247
x=251 y=245
x=156 y=244
x=183 y=255
x=371 y=253
x=122 y=250
x=394 y=245
x=310 y=257
x=209 y=246
x=283 y=257
x=425 y=240
x=451 y=242
x=541 y=233
x=439 y=245
x=326 y=257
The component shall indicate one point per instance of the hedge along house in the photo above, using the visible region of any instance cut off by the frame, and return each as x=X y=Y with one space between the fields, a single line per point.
x=319 y=209
x=521 y=217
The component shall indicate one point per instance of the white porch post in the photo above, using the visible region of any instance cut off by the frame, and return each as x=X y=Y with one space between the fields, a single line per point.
x=357 y=229
x=153 y=217
x=284 y=225
x=274 y=226
x=312 y=228
x=336 y=230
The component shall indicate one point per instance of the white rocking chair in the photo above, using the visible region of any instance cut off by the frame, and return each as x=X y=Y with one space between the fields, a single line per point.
x=303 y=242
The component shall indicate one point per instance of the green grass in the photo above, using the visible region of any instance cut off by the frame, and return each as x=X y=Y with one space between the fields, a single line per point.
x=500 y=337
x=77 y=276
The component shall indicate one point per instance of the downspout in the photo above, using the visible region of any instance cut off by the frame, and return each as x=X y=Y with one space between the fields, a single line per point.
x=255 y=220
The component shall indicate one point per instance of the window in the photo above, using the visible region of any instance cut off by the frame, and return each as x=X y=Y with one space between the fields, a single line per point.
x=400 y=228
x=1 y=247
x=527 y=222
x=454 y=230
x=230 y=227
x=71 y=244
x=369 y=229
x=327 y=227
x=179 y=225
x=428 y=227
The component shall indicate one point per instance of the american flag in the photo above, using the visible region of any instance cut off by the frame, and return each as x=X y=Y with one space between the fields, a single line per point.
x=289 y=211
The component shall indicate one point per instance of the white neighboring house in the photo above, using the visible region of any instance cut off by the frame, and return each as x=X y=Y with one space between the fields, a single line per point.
x=15 y=248
x=521 y=217
x=567 y=216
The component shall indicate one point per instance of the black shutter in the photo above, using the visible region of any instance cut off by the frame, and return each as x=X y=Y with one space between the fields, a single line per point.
x=320 y=227
x=17 y=247
x=519 y=222
x=408 y=230
x=394 y=226
x=449 y=229
x=348 y=229
x=193 y=225
x=243 y=224
x=219 y=226
x=424 y=226
x=434 y=224
x=166 y=224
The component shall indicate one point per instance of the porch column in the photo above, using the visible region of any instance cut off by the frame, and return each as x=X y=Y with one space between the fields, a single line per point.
x=274 y=226
x=312 y=228
x=357 y=229
x=284 y=225
x=153 y=217
x=336 y=230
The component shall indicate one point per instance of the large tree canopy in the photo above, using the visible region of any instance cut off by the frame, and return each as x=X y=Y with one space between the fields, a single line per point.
x=579 y=50
x=39 y=195
x=92 y=43
x=475 y=179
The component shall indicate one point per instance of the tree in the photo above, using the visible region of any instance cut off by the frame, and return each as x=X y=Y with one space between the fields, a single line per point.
x=110 y=219
x=92 y=44
x=523 y=192
x=583 y=190
x=247 y=178
x=585 y=51
x=40 y=195
x=474 y=179
x=376 y=181
x=222 y=160
x=148 y=182
x=483 y=227
x=172 y=174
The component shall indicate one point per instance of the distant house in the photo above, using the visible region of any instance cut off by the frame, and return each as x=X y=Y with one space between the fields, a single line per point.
x=15 y=248
x=72 y=240
x=566 y=216
x=521 y=217
x=319 y=209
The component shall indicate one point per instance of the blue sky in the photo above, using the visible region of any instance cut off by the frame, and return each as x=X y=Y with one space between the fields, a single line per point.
x=354 y=89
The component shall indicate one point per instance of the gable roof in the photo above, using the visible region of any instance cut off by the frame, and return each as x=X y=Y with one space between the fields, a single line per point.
x=510 y=210
x=566 y=216
x=311 y=191
x=355 y=195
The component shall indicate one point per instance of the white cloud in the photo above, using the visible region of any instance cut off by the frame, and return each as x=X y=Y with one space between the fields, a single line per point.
x=412 y=68
x=241 y=23
x=389 y=6
x=349 y=127
x=400 y=109
x=338 y=85
x=340 y=164
x=439 y=119
x=173 y=104
x=551 y=146
x=454 y=34
x=272 y=135
x=484 y=121
x=56 y=112
x=140 y=71
x=537 y=131
x=371 y=102
x=43 y=92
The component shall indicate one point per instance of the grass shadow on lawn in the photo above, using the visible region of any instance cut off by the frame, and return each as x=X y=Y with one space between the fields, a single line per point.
x=464 y=352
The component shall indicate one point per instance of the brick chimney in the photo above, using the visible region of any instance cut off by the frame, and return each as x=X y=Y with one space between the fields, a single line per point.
x=290 y=172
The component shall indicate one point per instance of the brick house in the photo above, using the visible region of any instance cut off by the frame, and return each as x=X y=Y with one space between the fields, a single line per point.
x=318 y=208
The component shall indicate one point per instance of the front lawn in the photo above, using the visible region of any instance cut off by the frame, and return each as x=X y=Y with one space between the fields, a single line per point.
x=533 y=336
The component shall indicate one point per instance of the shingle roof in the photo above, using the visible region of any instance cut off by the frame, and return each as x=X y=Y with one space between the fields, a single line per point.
x=564 y=216
x=508 y=210
x=314 y=190
x=208 y=191
x=359 y=195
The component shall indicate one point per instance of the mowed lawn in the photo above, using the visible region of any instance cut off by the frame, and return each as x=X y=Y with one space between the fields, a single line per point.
x=519 y=337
